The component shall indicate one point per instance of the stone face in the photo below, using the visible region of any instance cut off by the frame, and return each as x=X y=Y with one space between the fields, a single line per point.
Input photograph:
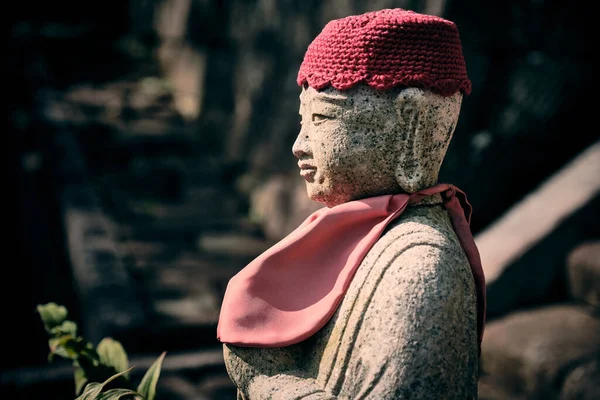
x=363 y=142
x=583 y=266
x=405 y=328
x=527 y=351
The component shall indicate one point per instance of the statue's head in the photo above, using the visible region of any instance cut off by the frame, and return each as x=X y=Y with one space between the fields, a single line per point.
x=381 y=96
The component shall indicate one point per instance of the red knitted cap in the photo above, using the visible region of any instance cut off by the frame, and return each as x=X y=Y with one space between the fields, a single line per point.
x=387 y=48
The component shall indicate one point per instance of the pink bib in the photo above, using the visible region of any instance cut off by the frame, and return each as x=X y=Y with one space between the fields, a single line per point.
x=291 y=290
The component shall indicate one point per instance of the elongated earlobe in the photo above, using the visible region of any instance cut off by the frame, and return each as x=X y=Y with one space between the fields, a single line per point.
x=409 y=107
x=426 y=123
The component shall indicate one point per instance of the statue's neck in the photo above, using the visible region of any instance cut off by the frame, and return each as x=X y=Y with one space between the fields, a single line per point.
x=426 y=201
x=429 y=201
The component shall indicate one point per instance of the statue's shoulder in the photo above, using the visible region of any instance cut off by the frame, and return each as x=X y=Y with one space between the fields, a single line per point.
x=426 y=225
x=422 y=242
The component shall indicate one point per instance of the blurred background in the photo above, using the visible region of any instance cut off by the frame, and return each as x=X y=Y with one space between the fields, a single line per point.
x=150 y=151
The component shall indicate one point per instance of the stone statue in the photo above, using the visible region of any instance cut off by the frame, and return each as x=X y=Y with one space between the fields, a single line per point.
x=380 y=294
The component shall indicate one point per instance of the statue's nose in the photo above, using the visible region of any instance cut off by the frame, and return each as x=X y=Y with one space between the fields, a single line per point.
x=301 y=147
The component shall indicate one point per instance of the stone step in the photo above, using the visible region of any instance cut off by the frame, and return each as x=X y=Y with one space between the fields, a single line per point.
x=149 y=220
x=137 y=253
x=151 y=140
x=232 y=244
x=188 y=290
x=185 y=229
x=104 y=288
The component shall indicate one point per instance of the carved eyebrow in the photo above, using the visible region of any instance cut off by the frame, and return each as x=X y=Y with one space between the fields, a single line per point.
x=333 y=99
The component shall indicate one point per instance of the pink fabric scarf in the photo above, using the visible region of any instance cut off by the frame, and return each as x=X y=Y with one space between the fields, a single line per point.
x=291 y=290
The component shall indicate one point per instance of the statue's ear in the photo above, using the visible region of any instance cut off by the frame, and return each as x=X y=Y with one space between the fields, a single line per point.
x=411 y=108
x=426 y=125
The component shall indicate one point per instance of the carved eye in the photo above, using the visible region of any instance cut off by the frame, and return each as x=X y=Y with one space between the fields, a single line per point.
x=318 y=118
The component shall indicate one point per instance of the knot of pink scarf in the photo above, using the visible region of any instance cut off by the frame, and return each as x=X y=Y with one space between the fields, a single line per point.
x=291 y=290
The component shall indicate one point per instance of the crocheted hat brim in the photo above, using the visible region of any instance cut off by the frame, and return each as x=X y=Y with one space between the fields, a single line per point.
x=385 y=49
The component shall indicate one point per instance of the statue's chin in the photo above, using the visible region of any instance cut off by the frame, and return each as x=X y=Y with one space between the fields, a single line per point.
x=316 y=195
x=322 y=195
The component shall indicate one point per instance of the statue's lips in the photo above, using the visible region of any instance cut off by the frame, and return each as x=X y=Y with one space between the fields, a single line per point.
x=307 y=171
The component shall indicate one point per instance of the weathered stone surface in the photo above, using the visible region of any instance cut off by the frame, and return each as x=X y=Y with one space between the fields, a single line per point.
x=583 y=268
x=527 y=351
x=364 y=142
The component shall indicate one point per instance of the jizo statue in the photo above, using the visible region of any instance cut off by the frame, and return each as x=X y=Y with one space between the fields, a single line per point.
x=380 y=294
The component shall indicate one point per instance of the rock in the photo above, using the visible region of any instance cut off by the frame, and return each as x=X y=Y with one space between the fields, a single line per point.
x=525 y=352
x=583 y=383
x=583 y=269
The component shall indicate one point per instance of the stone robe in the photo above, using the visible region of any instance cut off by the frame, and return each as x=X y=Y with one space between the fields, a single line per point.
x=406 y=328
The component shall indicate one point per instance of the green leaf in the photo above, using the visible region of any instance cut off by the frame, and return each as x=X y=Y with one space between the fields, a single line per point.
x=66 y=346
x=112 y=354
x=74 y=348
x=96 y=372
x=116 y=394
x=92 y=390
x=147 y=387
x=52 y=315
x=115 y=376
x=88 y=358
x=80 y=378
x=65 y=328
